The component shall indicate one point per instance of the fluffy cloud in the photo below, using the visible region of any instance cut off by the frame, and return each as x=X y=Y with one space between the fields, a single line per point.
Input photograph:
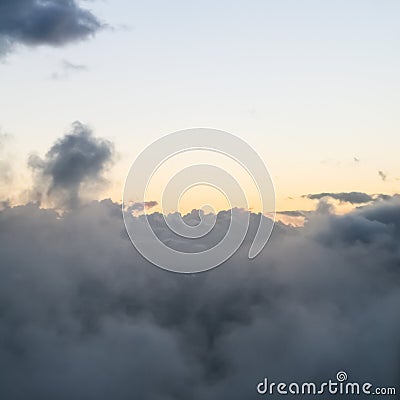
x=50 y=22
x=84 y=316
x=75 y=161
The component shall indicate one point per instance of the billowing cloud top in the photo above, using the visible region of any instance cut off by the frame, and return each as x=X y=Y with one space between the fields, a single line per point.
x=50 y=22
x=83 y=315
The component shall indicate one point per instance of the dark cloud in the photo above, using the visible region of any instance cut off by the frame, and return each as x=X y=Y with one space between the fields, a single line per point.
x=141 y=206
x=75 y=161
x=49 y=22
x=382 y=175
x=292 y=213
x=82 y=315
x=348 y=197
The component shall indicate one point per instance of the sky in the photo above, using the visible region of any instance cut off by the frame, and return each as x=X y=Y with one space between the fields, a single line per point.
x=312 y=86
x=85 y=87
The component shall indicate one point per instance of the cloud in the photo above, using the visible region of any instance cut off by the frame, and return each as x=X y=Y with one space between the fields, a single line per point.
x=83 y=315
x=141 y=206
x=382 y=175
x=66 y=68
x=50 y=22
x=292 y=213
x=75 y=67
x=348 y=197
x=6 y=171
x=76 y=161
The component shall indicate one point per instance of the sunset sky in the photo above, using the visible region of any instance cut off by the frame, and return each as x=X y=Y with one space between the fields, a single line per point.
x=99 y=301
x=313 y=86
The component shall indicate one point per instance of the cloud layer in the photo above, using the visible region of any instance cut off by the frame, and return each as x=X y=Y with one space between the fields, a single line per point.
x=84 y=316
x=50 y=22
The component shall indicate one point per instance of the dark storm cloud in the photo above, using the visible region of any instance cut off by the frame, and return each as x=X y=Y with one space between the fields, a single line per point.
x=77 y=160
x=348 y=197
x=50 y=22
x=83 y=315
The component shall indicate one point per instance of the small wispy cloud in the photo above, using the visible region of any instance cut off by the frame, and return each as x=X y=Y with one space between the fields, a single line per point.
x=348 y=197
x=382 y=175
x=66 y=68
x=141 y=206
x=292 y=213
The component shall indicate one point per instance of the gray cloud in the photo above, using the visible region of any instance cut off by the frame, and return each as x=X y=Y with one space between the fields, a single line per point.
x=382 y=175
x=84 y=316
x=66 y=68
x=141 y=206
x=348 y=197
x=75 y=67
x=50 y=22
x=292 y=213
x=76 y=161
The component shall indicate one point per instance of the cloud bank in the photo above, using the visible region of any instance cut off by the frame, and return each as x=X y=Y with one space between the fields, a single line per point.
x=84 y=316
x=50 y=22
